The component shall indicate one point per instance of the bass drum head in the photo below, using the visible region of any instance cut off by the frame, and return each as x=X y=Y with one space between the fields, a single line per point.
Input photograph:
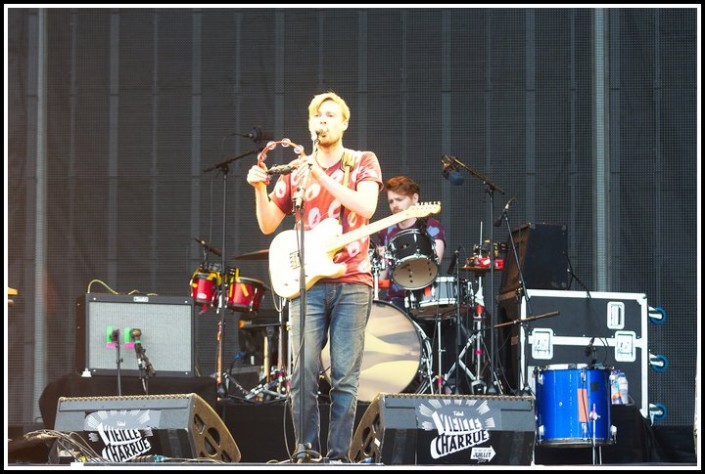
x=392 y=357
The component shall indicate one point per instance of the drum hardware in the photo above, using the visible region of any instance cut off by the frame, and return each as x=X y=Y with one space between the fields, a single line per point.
x=377 y=264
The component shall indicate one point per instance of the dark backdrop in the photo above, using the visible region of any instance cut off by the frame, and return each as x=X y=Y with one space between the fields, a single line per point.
x=140 y=101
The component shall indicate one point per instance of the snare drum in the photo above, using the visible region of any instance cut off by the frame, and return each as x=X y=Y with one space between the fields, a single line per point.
x=244 y=294
x=439 y=299
x=413 y=259
x=205 y=282
x=573 y=406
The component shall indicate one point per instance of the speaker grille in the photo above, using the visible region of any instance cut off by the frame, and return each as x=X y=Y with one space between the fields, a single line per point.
x=166 y=324
x=446 y=429
x=125 y=428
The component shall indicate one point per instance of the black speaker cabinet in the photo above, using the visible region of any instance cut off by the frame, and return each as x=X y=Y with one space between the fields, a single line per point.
x=543 y=260
x=165 y=324
x=141 y=428
x=446 y=429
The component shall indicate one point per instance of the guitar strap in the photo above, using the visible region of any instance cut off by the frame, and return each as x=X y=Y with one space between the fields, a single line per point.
x=348 y=164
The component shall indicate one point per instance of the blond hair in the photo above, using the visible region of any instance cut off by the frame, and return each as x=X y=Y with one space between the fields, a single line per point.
x=320 y=98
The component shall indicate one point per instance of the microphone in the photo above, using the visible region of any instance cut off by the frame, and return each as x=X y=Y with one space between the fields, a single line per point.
x=315 y=134
x=450 y=172
x=257 y=135
x=142 y=359
x=498 y=222
x=281 y=169
x=209 y=248
x=115 y=335
x=453 y=262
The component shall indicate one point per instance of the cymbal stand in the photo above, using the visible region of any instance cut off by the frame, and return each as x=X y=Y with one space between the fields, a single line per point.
x=439 y=380
x=477 y=385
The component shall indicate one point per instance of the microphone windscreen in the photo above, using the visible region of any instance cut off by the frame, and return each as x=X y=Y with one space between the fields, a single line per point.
x=456 y=178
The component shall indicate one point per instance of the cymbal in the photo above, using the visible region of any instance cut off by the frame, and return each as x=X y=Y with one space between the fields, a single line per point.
x=256 y=255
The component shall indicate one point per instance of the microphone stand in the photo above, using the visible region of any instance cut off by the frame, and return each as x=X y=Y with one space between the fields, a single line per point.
x=302 y=451
x=115 y=337
x=490 y=188
x=145 y=367
x=522 y=379
x=223 y=166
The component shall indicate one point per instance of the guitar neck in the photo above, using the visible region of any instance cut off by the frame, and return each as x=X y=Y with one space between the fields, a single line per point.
x=368 y=229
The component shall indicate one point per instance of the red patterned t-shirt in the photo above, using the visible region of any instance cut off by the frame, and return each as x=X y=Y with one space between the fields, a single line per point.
x=319 y=205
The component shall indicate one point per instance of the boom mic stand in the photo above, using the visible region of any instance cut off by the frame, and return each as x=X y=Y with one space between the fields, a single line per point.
x=522 y=376
x=115 y=338
x=490 y=188
x=223 y=166
x=303 y=451
x=145 y=367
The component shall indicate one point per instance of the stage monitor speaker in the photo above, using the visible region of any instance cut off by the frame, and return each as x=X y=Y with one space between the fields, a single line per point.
x=147 y=428
x=166 y=327
x=446 y=429
x=543 y=258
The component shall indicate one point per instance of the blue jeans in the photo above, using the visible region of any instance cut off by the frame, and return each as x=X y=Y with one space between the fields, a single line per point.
x=342 y=308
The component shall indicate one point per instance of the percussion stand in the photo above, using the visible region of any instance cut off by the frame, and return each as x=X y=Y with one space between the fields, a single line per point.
x=280 y=373
x=280 y=379
x=224 y=167
x=283 y=371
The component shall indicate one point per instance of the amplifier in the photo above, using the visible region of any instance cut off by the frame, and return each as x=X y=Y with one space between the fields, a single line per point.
x=446 y=429
x=104 y=324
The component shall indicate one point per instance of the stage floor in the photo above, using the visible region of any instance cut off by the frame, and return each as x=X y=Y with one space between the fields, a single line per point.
x=264 y=435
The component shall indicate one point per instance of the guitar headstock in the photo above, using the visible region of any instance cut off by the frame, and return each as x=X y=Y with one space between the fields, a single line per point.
x=422 y=209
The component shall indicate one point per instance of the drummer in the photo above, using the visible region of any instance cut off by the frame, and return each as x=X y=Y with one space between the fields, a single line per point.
x=402 y=193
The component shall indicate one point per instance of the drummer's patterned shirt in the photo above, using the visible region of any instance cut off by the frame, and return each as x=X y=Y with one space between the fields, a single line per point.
x=319 y=205
x=434 y=229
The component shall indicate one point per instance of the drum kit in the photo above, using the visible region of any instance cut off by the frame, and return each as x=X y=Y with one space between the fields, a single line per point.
x=430 y=299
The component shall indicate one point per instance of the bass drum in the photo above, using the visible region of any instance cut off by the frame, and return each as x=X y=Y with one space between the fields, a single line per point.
x=396 y=357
